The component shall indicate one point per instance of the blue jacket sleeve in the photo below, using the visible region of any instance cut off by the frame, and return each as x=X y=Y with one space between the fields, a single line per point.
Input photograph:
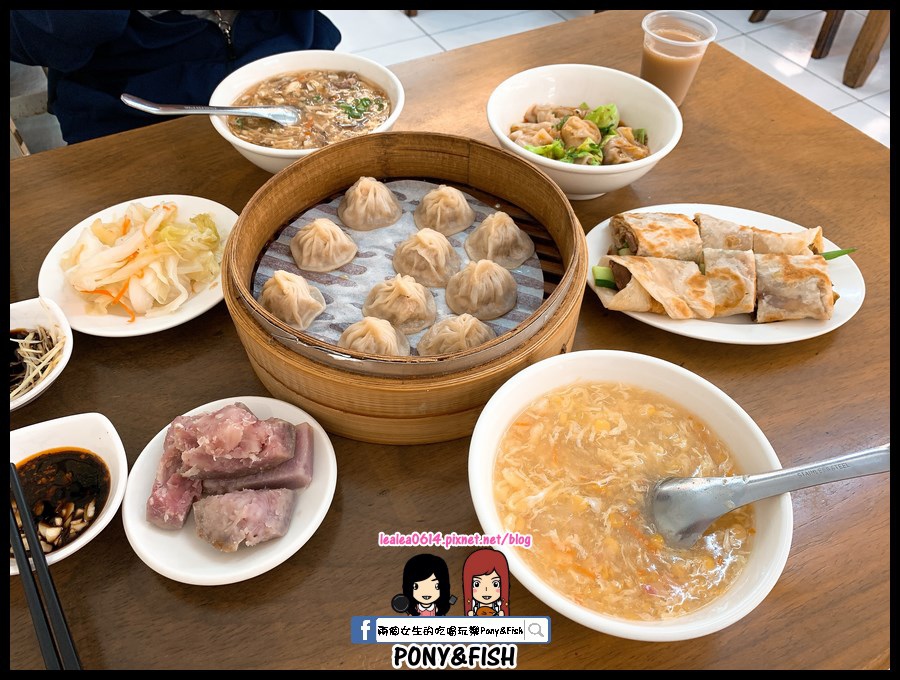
x=64 y=40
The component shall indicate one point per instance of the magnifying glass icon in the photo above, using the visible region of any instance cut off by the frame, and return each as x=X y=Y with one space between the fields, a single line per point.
x=535 y=629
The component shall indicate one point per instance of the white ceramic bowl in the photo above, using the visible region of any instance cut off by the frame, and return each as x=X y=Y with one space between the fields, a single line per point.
x=90 y=431
x=238 y=82
x=640 y=104
x=43 y=312
x=751 y=449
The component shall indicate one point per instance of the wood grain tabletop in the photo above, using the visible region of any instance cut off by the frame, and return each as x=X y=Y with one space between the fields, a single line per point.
x=748 y=142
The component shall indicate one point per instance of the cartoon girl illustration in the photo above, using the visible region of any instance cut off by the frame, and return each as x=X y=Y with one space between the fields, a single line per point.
x=486 y=583
x=426 y=585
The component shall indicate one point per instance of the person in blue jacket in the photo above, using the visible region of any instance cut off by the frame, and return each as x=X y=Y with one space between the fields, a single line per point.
x=167 y=56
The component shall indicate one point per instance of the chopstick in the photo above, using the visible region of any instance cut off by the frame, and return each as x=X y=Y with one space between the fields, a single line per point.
x=53 y=635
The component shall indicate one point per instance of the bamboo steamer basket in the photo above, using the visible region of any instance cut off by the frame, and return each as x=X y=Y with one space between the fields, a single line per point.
x=404 y=400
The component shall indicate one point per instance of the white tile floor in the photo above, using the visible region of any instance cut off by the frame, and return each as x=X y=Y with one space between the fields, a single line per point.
x=780 y=45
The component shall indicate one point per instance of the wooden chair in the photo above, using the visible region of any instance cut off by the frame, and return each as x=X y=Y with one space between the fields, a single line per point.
x=866 y=49
x=826 y=33
x=17 y=146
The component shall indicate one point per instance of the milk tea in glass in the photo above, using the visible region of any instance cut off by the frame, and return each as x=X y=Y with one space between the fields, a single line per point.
x=674 y=44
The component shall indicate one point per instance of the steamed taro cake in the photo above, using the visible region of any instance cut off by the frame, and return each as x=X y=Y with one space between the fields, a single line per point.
x=250 y=517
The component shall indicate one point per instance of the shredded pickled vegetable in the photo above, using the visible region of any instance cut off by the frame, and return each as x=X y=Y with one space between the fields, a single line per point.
x=145 y=263
x=34 y=354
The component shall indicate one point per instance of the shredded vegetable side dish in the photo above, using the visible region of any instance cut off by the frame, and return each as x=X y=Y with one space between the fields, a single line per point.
x=148 y=262
x=34 y=352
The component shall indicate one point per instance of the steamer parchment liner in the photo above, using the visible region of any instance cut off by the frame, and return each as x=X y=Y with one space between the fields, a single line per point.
x=346 y=288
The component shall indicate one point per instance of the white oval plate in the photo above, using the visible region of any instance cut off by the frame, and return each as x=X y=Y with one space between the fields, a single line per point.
x=52 y=282
x=740 y=329
x=182 y=555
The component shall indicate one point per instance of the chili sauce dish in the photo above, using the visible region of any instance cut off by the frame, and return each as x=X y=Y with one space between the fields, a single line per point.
x=73 y=471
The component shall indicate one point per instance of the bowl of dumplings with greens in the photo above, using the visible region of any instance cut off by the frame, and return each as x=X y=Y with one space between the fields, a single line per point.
x=591 y=129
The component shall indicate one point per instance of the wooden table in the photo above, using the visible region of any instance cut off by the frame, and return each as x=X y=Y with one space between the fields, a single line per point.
x=748 y=142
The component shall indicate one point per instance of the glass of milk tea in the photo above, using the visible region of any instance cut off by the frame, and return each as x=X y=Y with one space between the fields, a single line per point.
x=674 y=44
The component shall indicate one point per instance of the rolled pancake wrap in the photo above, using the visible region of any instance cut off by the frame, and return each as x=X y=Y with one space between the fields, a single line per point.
x=788 y=243
x=723 y=234
x=732 y=277
x=668 y=235
x=661 y=285
x=792 y=287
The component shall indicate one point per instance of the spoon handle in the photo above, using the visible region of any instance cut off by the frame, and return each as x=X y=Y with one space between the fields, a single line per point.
x=859 y=464
x=189 y=109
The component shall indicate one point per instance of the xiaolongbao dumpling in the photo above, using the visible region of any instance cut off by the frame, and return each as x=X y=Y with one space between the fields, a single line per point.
x=444 y=209
x=403 y=301
x=290 y=298
x=374 y=336
x=455 y=334
x=369 y=204
x=483 y=289
x=322 y=246
x=428 y=257
x=498 y=238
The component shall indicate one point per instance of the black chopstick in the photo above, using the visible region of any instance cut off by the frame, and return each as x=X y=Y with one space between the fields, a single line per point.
x=47 y=616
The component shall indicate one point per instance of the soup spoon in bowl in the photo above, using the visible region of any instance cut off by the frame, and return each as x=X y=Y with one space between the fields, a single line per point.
x=682 y=508
x=283 y=115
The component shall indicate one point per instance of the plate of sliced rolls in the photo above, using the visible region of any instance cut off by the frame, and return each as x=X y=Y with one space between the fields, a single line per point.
x=723 y=274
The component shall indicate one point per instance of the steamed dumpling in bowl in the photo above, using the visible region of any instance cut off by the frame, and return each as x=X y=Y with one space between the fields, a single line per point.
x=444 y=209
x=404 y=302
x=290 y=298
x=322 y=246
x=500 y=239
x=455 y=334
x=428 y=257
x=369 y=204
x=374 y=336
x=483 y=289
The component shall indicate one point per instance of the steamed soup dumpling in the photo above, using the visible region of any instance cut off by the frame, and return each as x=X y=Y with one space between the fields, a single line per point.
x=322 y=246
x=455 y=334
x=374 y=336
x=290 y=298
x=404 y=302
x=444 y=209
x=428 y=257
x=500 y=239
x=369 y=204
x=483 y=289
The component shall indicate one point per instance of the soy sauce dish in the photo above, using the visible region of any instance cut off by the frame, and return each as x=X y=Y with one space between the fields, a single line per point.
x=565 y=452
x=73 y=471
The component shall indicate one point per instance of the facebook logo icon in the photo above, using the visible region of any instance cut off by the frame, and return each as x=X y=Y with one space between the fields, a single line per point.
x=362 y=629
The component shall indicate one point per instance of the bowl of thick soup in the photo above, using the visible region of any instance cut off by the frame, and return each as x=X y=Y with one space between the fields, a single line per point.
x=339 y=96
x=566 y=451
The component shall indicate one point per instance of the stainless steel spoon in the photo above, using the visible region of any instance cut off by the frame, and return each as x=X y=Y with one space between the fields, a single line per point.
x=283 y=115
x=682 y=508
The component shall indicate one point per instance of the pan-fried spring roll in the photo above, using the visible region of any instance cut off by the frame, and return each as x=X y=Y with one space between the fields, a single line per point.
x=724 y=234
x=732 y=277
x=788 y=243
x=792 y=287
x=660 y=285
x=668 y=235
